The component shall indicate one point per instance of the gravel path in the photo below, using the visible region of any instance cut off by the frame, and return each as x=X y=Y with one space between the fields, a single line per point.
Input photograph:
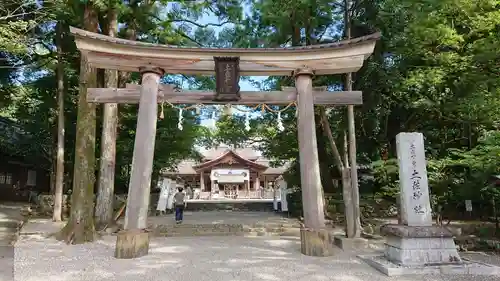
x=196 y=258
x=10 y=218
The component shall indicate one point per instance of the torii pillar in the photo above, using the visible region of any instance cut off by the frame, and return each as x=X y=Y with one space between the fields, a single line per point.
x=133 y=241
x=315 y=239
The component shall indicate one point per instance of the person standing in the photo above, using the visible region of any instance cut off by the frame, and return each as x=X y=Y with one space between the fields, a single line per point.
x=180 y=204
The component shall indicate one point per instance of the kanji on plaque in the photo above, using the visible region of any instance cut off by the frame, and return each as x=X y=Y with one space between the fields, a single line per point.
x=227 y=77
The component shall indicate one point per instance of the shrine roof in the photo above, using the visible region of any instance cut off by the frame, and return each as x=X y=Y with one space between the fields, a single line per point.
x=229 y=154
x=248 y=153
x=114 y=53
x=273 y=170
x=185 y=167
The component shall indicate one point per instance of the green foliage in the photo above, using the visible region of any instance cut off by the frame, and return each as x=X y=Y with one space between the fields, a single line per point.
x=463 y=175
x=385 y=179
x=435 y=70
x=10 y=38
x=293 y=183
x=28 y=94
x=172 y=145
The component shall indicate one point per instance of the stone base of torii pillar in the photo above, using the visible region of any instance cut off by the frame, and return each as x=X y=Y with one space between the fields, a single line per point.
x=417 y=246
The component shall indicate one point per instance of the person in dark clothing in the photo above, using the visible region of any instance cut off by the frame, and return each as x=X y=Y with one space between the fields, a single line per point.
x=180 y=204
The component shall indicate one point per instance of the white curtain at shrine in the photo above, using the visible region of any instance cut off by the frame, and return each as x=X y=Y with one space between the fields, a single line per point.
x=163 y=198
x=172 y=189
x=275 y=199
x=284 y=191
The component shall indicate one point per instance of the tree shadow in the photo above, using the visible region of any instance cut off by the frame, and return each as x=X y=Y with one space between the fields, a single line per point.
x=10 y=222
x=191 y=258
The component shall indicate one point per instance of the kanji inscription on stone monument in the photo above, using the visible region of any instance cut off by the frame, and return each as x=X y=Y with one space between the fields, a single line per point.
x=415 y=203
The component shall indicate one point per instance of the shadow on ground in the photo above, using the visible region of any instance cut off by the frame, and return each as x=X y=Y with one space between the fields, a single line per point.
x=10 y=221
x=200 y=258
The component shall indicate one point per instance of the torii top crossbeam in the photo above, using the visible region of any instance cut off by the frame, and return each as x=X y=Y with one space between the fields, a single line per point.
x=126 y=55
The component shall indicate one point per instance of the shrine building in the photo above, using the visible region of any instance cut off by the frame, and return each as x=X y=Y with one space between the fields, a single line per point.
x=228 y=173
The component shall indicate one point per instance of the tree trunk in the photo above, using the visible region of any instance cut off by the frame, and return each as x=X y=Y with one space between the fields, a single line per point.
x=324 y=166
x=52 y=175
x=347 y=191
x=350 y=223
x=105 y=192
x=328 y=132
x=59 y=178
x=324 y=159
x=495 y=215
x=345 y=173
x=80 y=227
x=352 y=133
x=346 y=151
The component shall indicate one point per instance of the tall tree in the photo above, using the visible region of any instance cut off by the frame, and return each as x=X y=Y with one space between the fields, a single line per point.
x=344 y=171
x=59 y=181
x=348 y=10
x=80 y=226
x=105 y=191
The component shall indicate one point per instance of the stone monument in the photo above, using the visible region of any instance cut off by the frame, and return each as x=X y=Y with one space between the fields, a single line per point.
x=416 y=241
x=417 y=246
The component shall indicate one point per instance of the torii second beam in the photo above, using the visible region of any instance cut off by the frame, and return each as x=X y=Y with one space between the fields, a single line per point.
x=167 y=93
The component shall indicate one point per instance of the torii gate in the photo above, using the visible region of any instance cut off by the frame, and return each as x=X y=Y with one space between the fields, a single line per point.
x=154 y=60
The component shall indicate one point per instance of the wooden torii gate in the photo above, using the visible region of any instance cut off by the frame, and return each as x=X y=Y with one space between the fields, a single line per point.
x=153 y=61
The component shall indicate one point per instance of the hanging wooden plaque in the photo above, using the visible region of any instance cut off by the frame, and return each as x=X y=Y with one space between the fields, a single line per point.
x=227 y=78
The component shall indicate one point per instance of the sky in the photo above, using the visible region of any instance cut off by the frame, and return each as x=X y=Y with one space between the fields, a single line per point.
x=244 y=85
x=210 y=18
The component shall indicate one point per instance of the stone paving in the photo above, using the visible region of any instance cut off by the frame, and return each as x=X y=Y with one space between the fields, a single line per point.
x=223 y=217
x=199 y=258
x=224 y=223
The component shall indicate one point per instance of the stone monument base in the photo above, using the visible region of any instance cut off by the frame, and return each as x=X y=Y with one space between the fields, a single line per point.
x=419 y=245
x=423 y=250
x=380 y=263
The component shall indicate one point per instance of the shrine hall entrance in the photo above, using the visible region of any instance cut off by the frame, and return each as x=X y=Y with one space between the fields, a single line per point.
x=231 y=190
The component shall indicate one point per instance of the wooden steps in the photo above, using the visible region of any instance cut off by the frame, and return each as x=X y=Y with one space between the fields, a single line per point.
x=187 y=230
